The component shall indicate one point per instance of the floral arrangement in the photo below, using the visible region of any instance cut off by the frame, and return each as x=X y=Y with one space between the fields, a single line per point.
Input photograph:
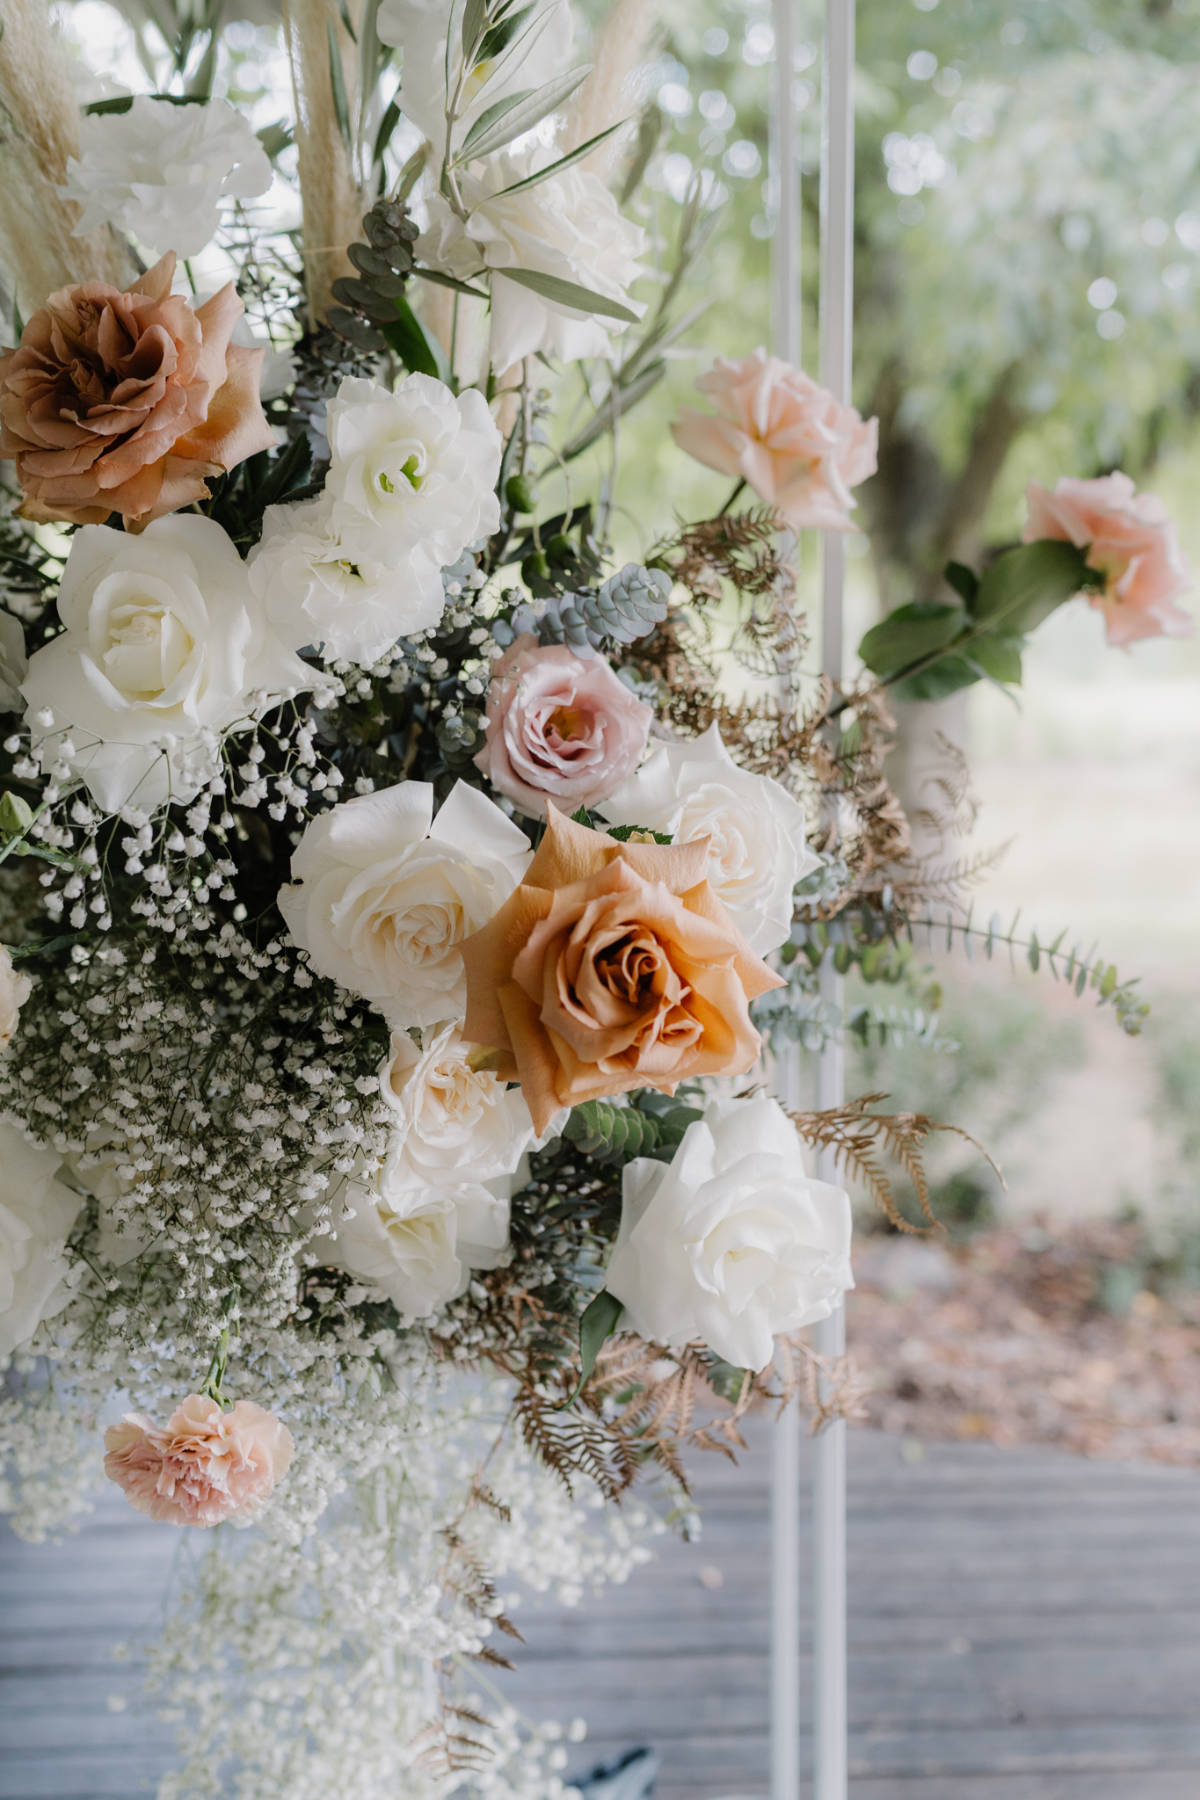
x=400 y=897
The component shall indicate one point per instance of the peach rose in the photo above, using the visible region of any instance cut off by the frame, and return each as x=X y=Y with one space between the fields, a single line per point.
x=796 y=445
x=560 y=726
x=203 y=1466
x=1130 y=543
x=128 y=400
x=612 y=967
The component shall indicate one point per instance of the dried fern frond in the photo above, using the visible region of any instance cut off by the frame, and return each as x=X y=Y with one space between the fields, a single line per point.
x=861 y=1142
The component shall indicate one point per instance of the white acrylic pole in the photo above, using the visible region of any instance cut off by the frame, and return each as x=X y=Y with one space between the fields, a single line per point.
x=785 y=1464
x=830 y=1774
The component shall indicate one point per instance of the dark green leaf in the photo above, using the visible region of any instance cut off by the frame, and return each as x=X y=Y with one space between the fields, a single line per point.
x=388 y=124
x=1026 y=584
x=597 y=1325
x=567 y=293
x=410 y=343
x=964 y=581
x=473 y=27
x=940 y=679
x=121 y=103
x=501 y=35
x=918 y=629
x=996 y=656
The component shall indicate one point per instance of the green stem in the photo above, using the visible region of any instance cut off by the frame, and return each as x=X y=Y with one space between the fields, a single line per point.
x=740 y=487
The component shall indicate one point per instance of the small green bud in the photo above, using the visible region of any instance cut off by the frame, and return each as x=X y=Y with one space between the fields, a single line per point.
x=535 y=568
x=560 y=549
x=16 y=815
x=518 y=491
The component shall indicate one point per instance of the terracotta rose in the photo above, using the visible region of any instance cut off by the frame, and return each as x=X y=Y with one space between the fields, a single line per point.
x=611 y=967
x=128 y=400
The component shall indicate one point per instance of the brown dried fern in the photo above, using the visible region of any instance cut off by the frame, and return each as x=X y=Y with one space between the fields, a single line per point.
x=859 y=1140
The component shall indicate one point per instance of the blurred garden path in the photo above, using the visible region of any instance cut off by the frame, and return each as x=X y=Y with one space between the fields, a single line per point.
x=1024 y=1626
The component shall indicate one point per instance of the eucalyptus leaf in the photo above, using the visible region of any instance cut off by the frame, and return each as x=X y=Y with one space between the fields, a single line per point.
x=910 y=632
x=520 y=113
x=568 y=293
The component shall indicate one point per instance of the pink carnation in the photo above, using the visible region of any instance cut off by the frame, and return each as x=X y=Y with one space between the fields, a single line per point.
x=796 y=445
x=203 y=1466
x=560 y=726
x=1130 y=542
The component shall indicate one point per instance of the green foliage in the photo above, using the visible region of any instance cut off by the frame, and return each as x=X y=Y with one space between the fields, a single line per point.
x=616 y=1135
x=931 y=648
x=626 y=607
x=600 y=1319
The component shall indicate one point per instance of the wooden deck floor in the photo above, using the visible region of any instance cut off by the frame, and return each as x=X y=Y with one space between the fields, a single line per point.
x=1024 y=1626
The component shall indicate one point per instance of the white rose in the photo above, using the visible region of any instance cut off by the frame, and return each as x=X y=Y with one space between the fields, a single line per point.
x=455 y=1124
x=418 y=1245
x=731 y=1243
x=567 y=226
x=164 y=648
x=756 y=829
x=315 y=592
x=159 y=172
x=36 y=1215
x=14 y=664
x=539 y=49
x=386 y=894
x=413 y=470
x=15 y=990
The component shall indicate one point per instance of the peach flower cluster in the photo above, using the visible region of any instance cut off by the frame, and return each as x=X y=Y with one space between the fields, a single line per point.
x=1130 y=543
x=793 y=442
x=611 y=967
x=203 y=1466
x=560 y=726
x=128 y=400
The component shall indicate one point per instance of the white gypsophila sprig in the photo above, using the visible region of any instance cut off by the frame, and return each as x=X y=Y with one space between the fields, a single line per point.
x=160 y=170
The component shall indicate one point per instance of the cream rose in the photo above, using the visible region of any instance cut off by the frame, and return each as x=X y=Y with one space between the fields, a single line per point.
x=731 y=1243
x=417 y=1245
x=455 y=1123
x=384 y=894
x=36 y=1214
x=164 y=649
x=567 y=226
x=755 y=829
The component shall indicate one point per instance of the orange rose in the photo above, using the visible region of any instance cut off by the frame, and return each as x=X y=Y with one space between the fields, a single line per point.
x=127 y=400
x=612 y=967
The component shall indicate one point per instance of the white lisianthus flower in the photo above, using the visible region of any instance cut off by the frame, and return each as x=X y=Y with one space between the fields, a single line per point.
x=15 y=990
x=456 y=1124
x=731 y=1243
x=164 y=649
x=159 y=172
x=316 y=592
x=411 y=471
x=539 y=49
x=36 y=1214
x=384 y=894
x=756 y=830
x=568 y=226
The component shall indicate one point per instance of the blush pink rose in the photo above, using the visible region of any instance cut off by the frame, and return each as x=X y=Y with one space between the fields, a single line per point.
x=1130 y=542
x=560 y=726
x=203 y=1466
x=792 y=441
x=128 y=400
